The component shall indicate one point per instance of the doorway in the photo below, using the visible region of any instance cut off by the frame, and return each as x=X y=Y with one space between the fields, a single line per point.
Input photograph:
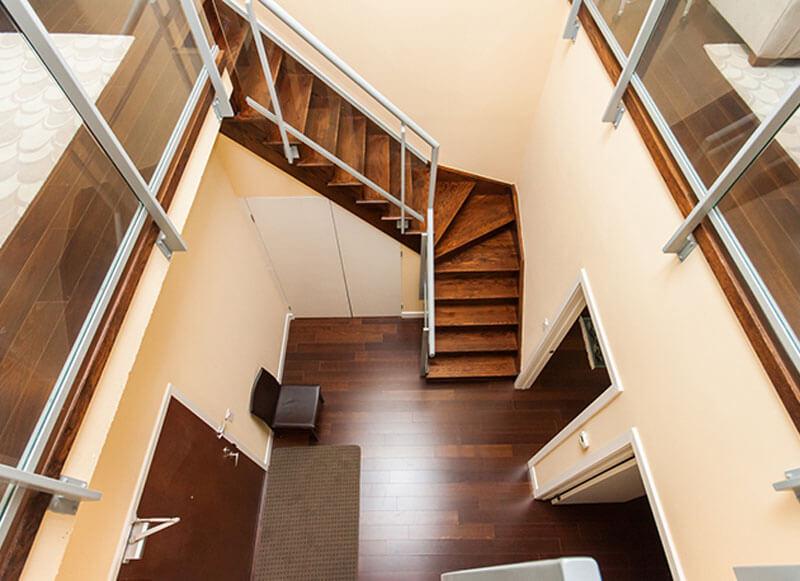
x=214 y=488
x=576 y=374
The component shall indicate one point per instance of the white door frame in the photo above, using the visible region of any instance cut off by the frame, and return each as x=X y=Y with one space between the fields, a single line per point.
x=170 y=393
x=579 y=297
x=628 y=445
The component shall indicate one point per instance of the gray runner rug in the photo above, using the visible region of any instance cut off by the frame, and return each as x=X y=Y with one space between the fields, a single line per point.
x=309 y=515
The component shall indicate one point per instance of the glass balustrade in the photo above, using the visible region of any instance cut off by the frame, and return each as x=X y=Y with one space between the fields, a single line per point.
x=697 y=70
x=623 y=19
x=65 y=213
x=762 y=214
x=136 y=59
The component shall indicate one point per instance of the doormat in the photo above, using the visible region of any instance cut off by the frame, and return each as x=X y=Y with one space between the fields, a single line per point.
x=309 y=515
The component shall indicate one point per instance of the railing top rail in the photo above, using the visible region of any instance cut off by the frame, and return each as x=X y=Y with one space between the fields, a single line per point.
x=320 y=47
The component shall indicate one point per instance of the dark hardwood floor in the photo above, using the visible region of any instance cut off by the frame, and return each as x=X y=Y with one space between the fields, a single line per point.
x=444 y=474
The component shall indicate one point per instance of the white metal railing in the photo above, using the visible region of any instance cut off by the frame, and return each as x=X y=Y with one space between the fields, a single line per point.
x=67 y=492
x=258 y=29
x=682 y=242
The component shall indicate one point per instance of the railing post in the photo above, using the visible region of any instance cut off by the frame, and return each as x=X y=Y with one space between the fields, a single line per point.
x=682 y=242
x=615 y=109
x=67 y=492
x=34 y=31
x=222 y=102
x=290 y=152
x=429 y=240
x=431 y=290
x=403 y=178
x=573 y=24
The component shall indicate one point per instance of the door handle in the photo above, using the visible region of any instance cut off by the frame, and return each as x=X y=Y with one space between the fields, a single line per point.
x=228 y=453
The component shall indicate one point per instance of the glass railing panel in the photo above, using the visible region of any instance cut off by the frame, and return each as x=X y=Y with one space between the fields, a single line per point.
x=65 y=213
x=623 y=18
x=697 y=70
x=138 y=61
x=762 y=210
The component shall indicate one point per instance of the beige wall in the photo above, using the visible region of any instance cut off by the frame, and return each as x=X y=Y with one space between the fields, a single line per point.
x=218 y=318
x=468 y=72
x=251 y=176
x=713 y=429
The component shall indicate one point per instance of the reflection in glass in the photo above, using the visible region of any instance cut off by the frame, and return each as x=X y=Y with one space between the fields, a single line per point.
x=137 y=60
x=64 y=211
x=763 y=210
x=710 y=79
x=624 y=18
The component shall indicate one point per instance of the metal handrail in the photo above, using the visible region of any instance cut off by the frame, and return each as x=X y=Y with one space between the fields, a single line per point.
x=332 y=158
x=285 y=129
x=320 y=47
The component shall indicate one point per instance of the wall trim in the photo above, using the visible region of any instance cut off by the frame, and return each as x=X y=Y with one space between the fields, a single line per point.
x=579 y=296
x=630 y=444
x=170 y=393
x=284 y=345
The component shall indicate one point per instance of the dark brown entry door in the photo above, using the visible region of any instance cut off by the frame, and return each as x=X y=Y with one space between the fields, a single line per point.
x=216 y=498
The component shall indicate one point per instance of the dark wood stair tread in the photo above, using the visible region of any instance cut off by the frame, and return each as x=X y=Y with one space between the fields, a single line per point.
x=480 y=215
x=447 y=366
x=253 y=83
x=351 y=149
x=322 y=127
x=472 y=339
x=294 y=96
x=477 y=286
x=475 y=314
x=377 y=168
x=497 y=253
x=450 y=196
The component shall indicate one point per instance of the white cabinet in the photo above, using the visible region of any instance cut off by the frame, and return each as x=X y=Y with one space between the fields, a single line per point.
x=328 y=262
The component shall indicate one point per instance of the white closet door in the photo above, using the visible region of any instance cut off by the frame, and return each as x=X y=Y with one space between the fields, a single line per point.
x=371 y=261
x=300 y=238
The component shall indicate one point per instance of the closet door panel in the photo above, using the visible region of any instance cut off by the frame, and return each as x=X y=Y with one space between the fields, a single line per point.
x=371 y=263
x=300 y=238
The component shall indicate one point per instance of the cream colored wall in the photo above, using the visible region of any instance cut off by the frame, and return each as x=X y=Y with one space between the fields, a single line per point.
x=468 y=72
x=714 y=431
x=219 y=316
x=248 y=174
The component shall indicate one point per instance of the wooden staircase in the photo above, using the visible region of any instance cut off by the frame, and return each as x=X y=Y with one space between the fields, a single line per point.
x=477 y=248
x=477 y=279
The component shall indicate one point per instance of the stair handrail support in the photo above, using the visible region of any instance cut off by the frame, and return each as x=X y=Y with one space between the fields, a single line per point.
x=273 y=95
